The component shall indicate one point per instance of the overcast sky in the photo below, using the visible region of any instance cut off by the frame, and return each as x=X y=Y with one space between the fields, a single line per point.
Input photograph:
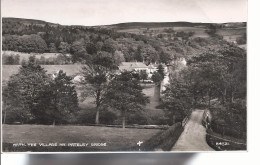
x=102 y=12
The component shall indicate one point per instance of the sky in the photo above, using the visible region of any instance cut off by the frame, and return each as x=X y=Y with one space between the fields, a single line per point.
x=104 y=12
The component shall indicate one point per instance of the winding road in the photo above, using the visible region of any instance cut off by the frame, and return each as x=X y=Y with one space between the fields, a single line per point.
x=193 y=138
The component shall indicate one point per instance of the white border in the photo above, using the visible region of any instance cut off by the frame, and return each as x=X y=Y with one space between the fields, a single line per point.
x=116 y=152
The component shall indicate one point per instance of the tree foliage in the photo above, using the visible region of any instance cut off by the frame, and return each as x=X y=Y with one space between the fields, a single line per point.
x=125 y=95
x=97 y=72
x=32 y=96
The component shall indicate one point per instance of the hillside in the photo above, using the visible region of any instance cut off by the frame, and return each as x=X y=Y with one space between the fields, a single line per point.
x=144 y=42
x=26 y=21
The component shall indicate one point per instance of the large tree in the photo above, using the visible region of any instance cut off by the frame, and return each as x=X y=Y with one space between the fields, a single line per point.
x=64 y=100
x=24 y=90
x=97 y=72
x=124 y=94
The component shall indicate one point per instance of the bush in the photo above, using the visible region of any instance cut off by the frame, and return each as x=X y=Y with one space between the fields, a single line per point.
x=137 y=118
x=88 y=115
x=164 y=140
x=107 y=117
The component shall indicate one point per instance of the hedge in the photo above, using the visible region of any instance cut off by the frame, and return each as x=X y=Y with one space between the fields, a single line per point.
x=164 y=140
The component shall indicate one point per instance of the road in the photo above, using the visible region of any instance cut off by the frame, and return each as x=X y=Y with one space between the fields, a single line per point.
x=193 y=138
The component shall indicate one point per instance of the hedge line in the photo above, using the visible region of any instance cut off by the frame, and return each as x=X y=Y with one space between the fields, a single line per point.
x=163 y=140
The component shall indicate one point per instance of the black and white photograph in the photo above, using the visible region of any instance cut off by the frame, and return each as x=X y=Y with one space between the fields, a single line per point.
x=84 y=76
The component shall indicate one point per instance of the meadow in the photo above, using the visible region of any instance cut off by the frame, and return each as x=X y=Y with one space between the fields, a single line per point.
x=25 y=56
x=71 y=70
x=115 y=138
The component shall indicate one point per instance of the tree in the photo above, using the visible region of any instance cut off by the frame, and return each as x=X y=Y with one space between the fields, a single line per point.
x=64 y=47
x=17 y=59
x=160 y=69
x=97 y=72
x=124 y=94
x=24 y=89
x=78 y=50
x=157 y=78
x=138 y=54
x=52 y=48
x=32 y=43
x=8 y=60
x=221 y=72
x=143 y=75
x=64 y=100
x=177 y=98
x=119 y=57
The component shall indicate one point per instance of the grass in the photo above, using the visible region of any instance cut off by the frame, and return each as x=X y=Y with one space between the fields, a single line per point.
x=25 y=56
x=115 y=138
x=71 y=70
x=198 y=31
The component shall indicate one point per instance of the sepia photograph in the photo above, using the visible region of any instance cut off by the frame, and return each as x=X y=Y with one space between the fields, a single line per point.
x=123 y=76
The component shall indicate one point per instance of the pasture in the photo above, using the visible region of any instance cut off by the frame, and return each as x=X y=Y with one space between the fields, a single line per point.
x=198 y=31
x=25 y=56
x=115 y=138
x=71 y=70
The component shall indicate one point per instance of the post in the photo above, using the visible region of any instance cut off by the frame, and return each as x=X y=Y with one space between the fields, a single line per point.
x=97 y=116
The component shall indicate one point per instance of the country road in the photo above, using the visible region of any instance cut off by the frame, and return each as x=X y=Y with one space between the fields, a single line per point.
x=193 y=138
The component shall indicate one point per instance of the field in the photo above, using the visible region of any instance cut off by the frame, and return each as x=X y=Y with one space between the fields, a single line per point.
x=71 y=70
x=198 y=32
x=25 y=56
x=116 y=138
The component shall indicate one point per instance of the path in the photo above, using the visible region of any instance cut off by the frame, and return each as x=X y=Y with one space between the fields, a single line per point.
x=193 y=138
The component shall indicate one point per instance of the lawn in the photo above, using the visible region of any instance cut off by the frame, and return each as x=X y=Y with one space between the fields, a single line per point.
x=115 y=138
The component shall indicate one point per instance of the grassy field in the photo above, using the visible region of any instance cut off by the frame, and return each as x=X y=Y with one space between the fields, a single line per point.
x=8 y=70
x=198 y=32
x=115 y=138
x=25 y=56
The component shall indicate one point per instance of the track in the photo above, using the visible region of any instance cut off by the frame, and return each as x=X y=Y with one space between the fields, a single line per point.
x=193 y=138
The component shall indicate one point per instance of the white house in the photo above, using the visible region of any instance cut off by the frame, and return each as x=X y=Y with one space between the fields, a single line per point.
x=133 y=66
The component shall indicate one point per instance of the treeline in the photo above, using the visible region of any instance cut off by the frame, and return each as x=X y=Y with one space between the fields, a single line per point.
x=13 y=59
x=85 y=41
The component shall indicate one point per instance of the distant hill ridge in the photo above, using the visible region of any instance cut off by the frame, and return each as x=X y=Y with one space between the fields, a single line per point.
x=26 y=21
x=127 y=25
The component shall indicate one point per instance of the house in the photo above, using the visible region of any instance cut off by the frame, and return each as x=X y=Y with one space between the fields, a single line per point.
x=133 y=66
